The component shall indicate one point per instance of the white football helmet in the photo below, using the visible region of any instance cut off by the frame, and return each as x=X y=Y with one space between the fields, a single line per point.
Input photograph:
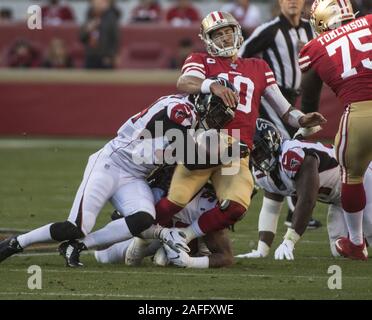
x=214 y=21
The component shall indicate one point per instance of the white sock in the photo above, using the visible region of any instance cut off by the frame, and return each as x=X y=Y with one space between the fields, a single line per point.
x=114 y=254
x=193 y=231
x=198 y=262
x=290 y=204
x=39 y=235
x=152 y=233
x=113 y=232
x=354 y=223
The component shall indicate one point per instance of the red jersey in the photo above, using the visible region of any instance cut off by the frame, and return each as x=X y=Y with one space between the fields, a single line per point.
x=343 y=59
x=249 y=76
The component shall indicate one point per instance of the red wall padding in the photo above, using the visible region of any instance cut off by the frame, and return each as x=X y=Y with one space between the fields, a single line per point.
x=63 y=109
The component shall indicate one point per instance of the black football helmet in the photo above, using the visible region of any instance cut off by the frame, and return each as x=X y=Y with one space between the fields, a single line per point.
x=266 y=146
x=213 y=113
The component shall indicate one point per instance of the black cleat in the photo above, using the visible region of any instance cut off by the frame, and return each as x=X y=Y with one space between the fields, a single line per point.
x=116 y=215
x=8 y=247
x=313 y=224
x=70 y=250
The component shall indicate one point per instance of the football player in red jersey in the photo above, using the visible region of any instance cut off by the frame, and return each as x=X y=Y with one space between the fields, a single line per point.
x=252 y=79
x=341 y=56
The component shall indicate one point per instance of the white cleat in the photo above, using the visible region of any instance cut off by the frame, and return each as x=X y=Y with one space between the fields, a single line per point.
x=175 y=239
x=135 y=252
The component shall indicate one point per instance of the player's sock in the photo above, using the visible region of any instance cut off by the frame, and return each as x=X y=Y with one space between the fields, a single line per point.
x=165 y=210
x=354 y=223
x=39 y=235
x=114 y=254
x=198 y=262
x=152 y=233
x=113 y=232
x=217 y=219
x=193 y=231
x=353 y=200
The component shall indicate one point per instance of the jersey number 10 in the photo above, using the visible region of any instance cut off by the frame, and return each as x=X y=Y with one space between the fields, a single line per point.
x=245 y=87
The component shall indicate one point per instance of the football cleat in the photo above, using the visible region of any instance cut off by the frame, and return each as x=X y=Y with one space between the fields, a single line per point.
x=115 y=215
x=70 y=250
x=349 y=250
x=8 y=247
x=135 y=252
x=175 y=239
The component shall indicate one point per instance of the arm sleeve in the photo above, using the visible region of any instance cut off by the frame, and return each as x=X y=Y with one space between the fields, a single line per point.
x=292 y=160
x=304 y=57
x=275 y=98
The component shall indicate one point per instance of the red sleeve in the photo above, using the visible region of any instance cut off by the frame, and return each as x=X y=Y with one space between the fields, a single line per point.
x=268 y=74
x=194 y=65
x=292 y=161
x=305 y=57
x=181 y=114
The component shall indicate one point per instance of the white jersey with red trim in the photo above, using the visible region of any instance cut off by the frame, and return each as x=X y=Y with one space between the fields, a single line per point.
x=282 y=180
x=141 y=141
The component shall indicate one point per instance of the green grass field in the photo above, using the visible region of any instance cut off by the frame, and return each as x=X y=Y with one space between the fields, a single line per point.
x=38 y=180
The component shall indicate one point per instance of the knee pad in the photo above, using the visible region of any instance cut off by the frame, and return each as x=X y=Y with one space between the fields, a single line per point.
x=139 y=222
x=61 y=231
x=234 y=210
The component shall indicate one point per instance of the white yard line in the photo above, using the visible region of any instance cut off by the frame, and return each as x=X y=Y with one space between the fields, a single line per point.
x=27 y=143
x=110 y=295
x=189 y=274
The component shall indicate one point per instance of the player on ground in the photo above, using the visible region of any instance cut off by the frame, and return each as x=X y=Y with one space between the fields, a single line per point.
x=119 y=169
x=214 y=250
x=310 y=172
x=341 y=56
x=252 y=78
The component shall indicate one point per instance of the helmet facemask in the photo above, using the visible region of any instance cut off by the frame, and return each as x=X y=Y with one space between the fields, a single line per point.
x=266 y=146
x=213 y=113
x=215 y=46
x=215 y=21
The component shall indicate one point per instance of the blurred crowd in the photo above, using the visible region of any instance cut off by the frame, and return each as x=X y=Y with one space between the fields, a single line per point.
x=100 y=33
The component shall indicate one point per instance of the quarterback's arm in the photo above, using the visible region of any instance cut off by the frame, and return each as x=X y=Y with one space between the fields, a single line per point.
x=311 y=87
x=195 y=85
x=290 y=115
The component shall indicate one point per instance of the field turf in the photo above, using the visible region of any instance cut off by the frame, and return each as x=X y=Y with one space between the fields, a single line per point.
x=38 y=180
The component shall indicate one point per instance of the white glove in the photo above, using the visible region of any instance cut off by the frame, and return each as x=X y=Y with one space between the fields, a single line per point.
x=253 y=254
x=305 y=132
x=285 y=250
x=179 y=259
x=175 y=239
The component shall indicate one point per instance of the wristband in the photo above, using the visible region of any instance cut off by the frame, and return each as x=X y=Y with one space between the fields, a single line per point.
x=206 y=86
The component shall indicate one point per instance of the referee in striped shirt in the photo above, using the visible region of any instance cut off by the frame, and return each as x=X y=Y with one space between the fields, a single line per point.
x=278 y=42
